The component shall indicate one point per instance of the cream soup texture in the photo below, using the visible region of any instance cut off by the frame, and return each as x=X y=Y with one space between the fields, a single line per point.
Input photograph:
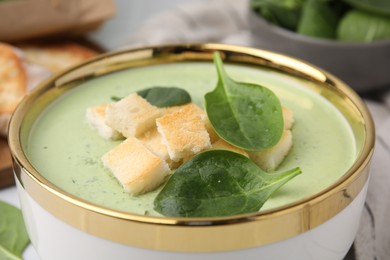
x=67 y=151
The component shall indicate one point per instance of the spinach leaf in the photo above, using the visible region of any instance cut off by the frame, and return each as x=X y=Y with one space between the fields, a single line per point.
x=285 y=13
x=363 y=26
x=13 y=236
x=218 y=183
x=165 y=96
x=245 y=115
x=162 y=96
x=374 y=6
x=318 y=20
x=115 y=98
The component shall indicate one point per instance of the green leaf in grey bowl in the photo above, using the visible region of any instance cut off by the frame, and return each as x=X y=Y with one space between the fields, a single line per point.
x=13 y=235
x=374 y=6
x=318 y=19
x=218 y=183
x=361 y=26
x=345 y=20
x=285 y=13
x=245 y=115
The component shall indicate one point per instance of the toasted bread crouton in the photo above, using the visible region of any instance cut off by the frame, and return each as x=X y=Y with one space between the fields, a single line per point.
x=135 y=167
x=184 y=132
x=223 y=145
x=13 y=84
x=168 y=110
x=96 y=119
x=287 y=118
x=132 y=115
x=210 y=129
x=270 y=159
x=152 y=139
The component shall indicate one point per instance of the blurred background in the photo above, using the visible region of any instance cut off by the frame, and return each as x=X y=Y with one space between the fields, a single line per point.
x=129 y=17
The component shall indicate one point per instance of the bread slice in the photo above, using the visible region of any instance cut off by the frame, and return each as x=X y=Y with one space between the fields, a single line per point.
x=56 y=56
x=96 y=118
x=183 y=132
x=132 y=115
x=13 y=84
x=135 y=167
x=270 y=159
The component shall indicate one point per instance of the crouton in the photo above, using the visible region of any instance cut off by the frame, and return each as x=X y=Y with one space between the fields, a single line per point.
x=96 y=119
x=270 y=159
x=152 y=139
x=183 y=132
x=132 y=115
x=135 y=167
x=168 y=110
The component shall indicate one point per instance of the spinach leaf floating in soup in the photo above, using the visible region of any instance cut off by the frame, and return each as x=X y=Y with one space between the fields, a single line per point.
x=245 y=115
x=163 y=96
x=218 y=183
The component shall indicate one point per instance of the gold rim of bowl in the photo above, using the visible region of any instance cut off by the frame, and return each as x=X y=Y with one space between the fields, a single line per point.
x=198 y=234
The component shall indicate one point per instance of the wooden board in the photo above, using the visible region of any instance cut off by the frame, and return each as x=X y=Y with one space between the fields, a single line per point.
x=6 y=176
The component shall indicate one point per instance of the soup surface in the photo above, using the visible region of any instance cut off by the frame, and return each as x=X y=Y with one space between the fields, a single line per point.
x=67 y=151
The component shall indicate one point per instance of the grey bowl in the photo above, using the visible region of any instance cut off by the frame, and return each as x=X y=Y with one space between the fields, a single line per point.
x=363 y=66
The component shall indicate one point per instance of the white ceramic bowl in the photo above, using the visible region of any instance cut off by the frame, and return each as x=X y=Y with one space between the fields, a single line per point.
x=363 y=66
x=322 y=226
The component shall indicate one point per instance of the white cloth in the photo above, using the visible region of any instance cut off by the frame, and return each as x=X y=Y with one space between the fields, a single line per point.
x=211 y=21
x=225 y=21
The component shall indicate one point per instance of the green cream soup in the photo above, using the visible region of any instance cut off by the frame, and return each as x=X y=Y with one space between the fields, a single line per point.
x=67 y=151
